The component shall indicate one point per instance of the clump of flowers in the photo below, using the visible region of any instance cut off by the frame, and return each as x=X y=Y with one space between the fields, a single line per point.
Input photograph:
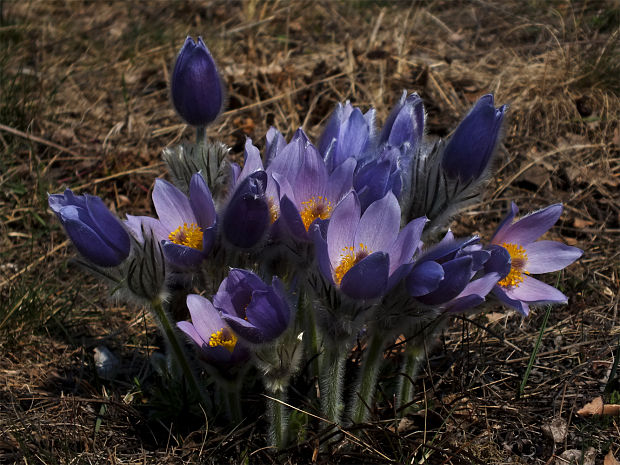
x=285 y=263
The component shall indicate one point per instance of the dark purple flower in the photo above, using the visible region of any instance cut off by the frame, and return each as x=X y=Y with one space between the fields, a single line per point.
x=196 y=86
x=470 y=148
x=348 y=134
x=97 y=234
x=367 y=255
x=218 y=344
x=186 y=226
x=307 y=192
x=258 y=313
x=517 y=288
x=378 y=177
x=473 y=294
x=443 y=272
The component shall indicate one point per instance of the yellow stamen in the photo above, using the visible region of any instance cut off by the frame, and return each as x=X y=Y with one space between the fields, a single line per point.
x=519 y=259
x=274 y=212
x=348 y=258
x=188 y=235
x=315 y=207
x=225 y=338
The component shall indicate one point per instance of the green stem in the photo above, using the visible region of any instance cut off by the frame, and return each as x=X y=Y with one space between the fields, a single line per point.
x=408 y=372
x=331 y=380
x=278 y=416
x=232 y=399
x=177 y=350
x=311 y=335
x=201 y=135
x=367 y=378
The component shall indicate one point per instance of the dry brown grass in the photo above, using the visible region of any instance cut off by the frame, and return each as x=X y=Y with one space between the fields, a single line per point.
x=84 y=103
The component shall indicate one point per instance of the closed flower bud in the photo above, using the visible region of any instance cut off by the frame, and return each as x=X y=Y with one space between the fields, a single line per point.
x=97 y=234
x=196 y=86
x=469 y=150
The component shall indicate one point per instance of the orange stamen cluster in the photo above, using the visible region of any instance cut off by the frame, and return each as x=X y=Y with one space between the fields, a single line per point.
x=517 y=272
x=314 y=208
x=224 y=338
x=348 y=258
x=187 y=235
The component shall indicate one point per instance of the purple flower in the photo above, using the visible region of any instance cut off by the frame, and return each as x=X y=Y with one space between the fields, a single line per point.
x=469 y=150
x=517 y=288
x=97 y=234
x=196 y=86
x=186 y=226
x=218 y=344
x=405 y=123
x=307 y=192
x=443 y=273
x=366 y=255
x=378 y=177
x=258 y=313
x=253 y=205
x=348 y=134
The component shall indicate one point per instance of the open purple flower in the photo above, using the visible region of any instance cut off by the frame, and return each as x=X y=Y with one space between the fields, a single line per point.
x=97 y=234
x=307 y=192
x=366 y=255
x=469 y=150
x=517 y=288
x=218 y=344
x=258 y=313
x=186 y=226
x=196 y=87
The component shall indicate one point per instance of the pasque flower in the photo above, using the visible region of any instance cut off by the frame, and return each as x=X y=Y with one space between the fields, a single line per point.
x=186 y=226
x=196 y=86
x=444 y=271
x=308 y=193
x=258 y=313
x=218 y=344
x=517 y=288
x=97 y=234
x=469 y=150
x=366 y=255
x=348 y=134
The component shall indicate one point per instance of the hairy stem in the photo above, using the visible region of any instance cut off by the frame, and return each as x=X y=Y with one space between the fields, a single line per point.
x=408 y=372
x=278 y=419
x=367 y=377
x=331 y=381
x=201 y=135
x=172 y=339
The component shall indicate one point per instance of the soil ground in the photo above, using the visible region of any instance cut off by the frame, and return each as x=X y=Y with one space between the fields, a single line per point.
x=84 y=104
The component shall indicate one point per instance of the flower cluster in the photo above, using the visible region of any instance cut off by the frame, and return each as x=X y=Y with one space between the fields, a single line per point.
x=337 y=230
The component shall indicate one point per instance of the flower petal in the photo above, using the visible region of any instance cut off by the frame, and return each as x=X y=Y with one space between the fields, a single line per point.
x=135 y=224
x=205 y=318
x=379 y=225
x=201 y=202
x=190 y=330
x=320 y=251
x=244 y=329
x=368 y=278
x=342 y=226
x=172 y=206
x=548 y=256
x=457 y=274
x=530 y=227
x=522 y=307
x=533 y=291
x=406 y=243
x=424 y=278
x=110 y=228
x=182 y=256
x=86 y=239
x=507 y=221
